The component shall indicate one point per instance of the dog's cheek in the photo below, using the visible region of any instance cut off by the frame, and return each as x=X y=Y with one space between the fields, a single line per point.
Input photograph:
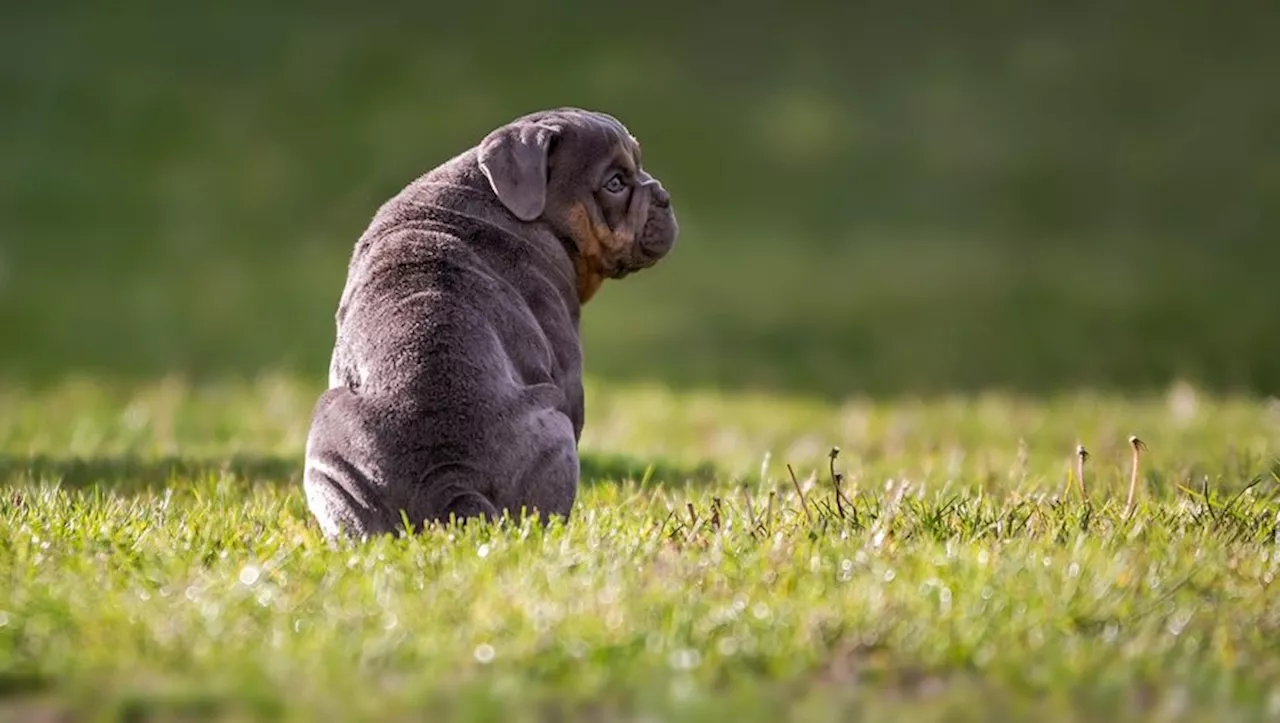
x=614 y=211
x=585 y=232
x=591 y=264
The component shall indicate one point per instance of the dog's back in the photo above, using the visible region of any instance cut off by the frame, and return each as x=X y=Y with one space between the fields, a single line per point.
x=456 y=376
x=454 y=342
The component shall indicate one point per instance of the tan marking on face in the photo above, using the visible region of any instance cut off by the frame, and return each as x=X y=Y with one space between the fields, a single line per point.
x=589 y=282
x=599 y=247
x=591 y=249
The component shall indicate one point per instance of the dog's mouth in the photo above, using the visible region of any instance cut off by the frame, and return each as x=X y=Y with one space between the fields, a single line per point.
x=654 y=241
x=647 y=251
x=657 y=238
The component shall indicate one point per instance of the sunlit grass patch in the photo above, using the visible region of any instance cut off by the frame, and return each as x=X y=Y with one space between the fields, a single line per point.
x=156 y=558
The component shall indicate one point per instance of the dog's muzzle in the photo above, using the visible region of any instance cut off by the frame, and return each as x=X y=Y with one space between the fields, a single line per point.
x=660 y=228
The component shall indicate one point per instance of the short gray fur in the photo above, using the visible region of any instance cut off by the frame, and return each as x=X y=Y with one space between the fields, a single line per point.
x=456 y=373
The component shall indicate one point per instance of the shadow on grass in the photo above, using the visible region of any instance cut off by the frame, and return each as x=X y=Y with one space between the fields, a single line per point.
x=133 y=473
x=614 y=468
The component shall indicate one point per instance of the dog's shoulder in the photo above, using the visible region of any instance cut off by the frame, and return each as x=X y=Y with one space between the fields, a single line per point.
x=453 y=221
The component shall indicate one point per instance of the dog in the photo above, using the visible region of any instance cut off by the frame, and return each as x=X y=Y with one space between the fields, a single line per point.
x=455 y=381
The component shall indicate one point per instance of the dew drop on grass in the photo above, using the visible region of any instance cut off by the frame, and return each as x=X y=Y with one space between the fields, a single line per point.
x=610 y=594
x=685 y=659
x=614 y=619
x=249 y=575
x=889 y=575
x=484 y=653
x=1178 y=622
x=1110 y=632
x=484 y=550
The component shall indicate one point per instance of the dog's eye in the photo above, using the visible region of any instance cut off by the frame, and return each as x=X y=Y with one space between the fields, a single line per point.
x=615 y=184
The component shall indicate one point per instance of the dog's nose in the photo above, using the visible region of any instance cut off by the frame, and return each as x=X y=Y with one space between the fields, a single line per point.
x=660 y=195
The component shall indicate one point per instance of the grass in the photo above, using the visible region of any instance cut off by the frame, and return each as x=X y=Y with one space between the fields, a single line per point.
x=157 y=562
x=1040 y=199
x=869 y=205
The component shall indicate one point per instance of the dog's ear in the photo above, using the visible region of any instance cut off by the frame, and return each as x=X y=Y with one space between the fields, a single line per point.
x=514 y=159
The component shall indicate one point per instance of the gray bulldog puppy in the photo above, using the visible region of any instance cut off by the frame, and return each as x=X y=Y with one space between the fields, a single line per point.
x=456 y=374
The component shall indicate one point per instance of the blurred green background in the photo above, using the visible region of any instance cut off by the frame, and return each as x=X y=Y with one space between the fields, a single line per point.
x=879 y=198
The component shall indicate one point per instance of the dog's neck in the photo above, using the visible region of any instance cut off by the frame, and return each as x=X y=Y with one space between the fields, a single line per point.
x=463 y=173
x=459 y=187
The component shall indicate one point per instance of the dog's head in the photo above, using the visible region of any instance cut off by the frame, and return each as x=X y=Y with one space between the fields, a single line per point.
x=580 y=173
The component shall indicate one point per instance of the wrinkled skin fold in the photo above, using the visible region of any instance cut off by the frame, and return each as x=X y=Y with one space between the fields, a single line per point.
x=456 y=373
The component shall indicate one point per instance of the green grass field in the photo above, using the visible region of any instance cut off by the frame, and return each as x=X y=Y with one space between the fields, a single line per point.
x=157 y=563
x=925 y=227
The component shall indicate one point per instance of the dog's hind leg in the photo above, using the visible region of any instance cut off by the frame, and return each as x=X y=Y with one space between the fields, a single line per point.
x=342 y=490
x=451 y=490
x=548 y=485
